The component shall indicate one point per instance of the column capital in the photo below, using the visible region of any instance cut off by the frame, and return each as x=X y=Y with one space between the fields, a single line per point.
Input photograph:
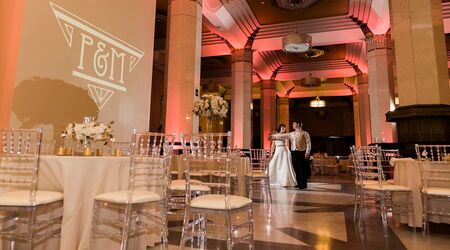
x=268 y=84
x=362 y=78
x=382 y=41
x=283 y=100
x=242 y=55
x=200 y=2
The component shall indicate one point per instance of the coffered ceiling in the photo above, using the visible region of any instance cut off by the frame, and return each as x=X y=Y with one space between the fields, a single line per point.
x=336 y=26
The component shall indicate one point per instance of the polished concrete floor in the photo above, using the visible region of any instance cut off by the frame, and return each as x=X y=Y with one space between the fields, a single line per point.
x=320 y=217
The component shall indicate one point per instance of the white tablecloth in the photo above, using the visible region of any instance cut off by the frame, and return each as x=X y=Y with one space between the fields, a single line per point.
x=81 y=179
x=407 y=173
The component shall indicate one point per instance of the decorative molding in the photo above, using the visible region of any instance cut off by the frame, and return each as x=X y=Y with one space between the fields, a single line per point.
x=200 y=2
x=362 y=78
x=379 y=42
x=268 y=84
x=242 y=55
x=251 y=39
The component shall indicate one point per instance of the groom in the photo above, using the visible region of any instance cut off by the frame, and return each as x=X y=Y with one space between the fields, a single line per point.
x=300 y=149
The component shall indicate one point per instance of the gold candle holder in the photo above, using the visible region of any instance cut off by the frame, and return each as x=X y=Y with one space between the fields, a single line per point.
x=60 y=151
x=99 y=152
x=87 y=152
x=117 y=152
x=69 y=151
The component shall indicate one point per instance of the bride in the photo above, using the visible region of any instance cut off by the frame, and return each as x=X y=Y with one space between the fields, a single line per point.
x=281 y=171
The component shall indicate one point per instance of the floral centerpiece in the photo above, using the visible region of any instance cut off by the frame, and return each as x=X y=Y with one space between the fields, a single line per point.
x=212 y=107
x=89 y=130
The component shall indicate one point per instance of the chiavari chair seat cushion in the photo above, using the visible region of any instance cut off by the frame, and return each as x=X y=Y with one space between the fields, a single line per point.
x=439 y=191
x=232 y=175
x=258 y=174
x=21 y=198
x=196 y=185
x=120 y=197
x=390 y=182
x=377 y=187
x=373 y=182
x=217 y=202
x=199 y=174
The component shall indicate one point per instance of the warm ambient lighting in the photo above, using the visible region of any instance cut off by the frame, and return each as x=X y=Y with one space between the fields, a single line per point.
x=317 y=103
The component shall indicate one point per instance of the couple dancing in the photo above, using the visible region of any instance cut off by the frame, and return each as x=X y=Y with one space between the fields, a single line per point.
x=290 y=168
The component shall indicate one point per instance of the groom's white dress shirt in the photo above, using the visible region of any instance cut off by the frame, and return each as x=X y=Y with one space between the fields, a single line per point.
x=300 y=140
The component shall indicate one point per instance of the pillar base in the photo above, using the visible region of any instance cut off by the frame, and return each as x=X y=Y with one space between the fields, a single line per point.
x=421 y=124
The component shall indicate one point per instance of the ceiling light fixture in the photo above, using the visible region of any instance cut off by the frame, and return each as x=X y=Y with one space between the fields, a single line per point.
x=294 y=4
x=297 y=43
x=317 y=103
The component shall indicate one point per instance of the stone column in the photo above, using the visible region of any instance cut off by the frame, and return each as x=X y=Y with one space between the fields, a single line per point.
x=381 y=86
x=423 y=115
x=11 y=14
x=356 y=119
x=364 y=109
x=183 y=64
x=268 y=111
x=283 y=112
x=241 y=97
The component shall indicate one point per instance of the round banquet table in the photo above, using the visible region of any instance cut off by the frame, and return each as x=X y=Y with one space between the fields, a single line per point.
x=81 y=178
x=407 y=173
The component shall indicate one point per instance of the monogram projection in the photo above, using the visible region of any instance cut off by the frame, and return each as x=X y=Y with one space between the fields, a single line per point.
x=104 y=59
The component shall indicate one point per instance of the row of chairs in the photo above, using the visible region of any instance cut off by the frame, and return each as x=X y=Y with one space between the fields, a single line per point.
x=141 y=209
x=374 y=188
x=325 y=165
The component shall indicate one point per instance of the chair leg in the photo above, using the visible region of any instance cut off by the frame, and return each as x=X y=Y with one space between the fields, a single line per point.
x=425 y=225
x=355 y=207
x=183 y=228
x=126 y=227
x=203 y=239
x=383 y=213
x=251 y=243
x=31 y=224
x=229 y=231
x=165 y=232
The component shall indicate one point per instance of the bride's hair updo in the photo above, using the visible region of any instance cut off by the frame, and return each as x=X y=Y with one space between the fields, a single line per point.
x=279 y=127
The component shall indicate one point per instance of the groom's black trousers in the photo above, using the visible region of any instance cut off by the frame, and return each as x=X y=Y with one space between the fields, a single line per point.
x=301 y=168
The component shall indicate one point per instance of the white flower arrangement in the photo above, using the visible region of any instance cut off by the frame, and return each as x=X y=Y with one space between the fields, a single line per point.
x=210 y=106
x=87 y=131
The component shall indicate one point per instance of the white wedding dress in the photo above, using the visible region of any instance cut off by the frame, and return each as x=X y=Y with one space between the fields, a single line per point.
x=281 y=171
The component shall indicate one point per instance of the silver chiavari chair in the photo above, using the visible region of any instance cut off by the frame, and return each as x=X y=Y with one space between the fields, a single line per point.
x=217 y=215
x=258 y=176
x=434 y=164
x=386 y=156
x=372 y=188
x=143 y=207
x=37 y=213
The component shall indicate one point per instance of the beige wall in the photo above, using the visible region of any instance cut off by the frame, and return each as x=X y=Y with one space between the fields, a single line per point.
x=47 y=91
